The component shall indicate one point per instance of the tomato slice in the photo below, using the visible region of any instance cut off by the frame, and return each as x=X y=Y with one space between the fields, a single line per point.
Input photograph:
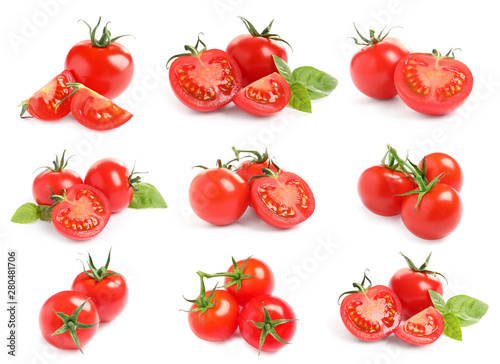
x=431 y=84
x=82 y=213
x=282 y=201
x=42 y=104
x=96 y=112
x=422 y=329
x=264 y=97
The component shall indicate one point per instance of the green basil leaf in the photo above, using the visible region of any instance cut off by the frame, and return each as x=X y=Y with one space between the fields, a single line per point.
x=45 y=212
x=468 y=310
x=438 y=301
x=452 y=326
x=27 y=213
x=299 y=98
x=283 y=68
x=147 y=197
x=318 y=83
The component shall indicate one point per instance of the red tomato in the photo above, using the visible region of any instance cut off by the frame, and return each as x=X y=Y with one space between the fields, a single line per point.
x=219 y=321
x=81 y=213
x=96 y=112
x=218 y=196
x=253 y=167
x=437 y=215
x=283 y=200
x=378 y=187
x=54 y=179
x=437 y=163
x=101 y=64
x=432 y=84
x=422 y=329
x=111 y=176
x=42 y=104
x=372 y=68
x=265 y=96
x=56 y=321
x=263 y=315
x=254 y=53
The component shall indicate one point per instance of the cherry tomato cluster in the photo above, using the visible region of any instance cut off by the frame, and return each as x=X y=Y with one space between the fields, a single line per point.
x=96 y=70
x=426 y=195
x=80 y=209
x=429 y=83
x=222 y=194
x=70 y=319
x=265 y=321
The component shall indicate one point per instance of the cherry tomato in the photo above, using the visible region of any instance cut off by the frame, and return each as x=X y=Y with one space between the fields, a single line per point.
x=107 y=289
x=265 y=96
x=437 y=163
x=282 y=199
x=379 y=187
x=422 y=329
x=54 y=179
x=263 y=315
x=253 y=167
x=81 y=213
x=254 y=52
x=432 y=84
x=436 y=216
x=372 y=313
x=204 y=80
x=57 y=322
x=101 y=64
x=218 y=196
x=372 y=68
x=111 y=176
x=42 y=104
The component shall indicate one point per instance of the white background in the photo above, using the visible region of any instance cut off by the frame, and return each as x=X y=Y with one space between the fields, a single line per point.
x=159 y=251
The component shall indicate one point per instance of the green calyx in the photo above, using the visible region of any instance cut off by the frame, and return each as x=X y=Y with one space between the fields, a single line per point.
x=372 y=39
x=257 y=157
x=450 y=54
x=24 y=108
x=360 y=287
x=105 y=39
x=219 y=164
x=76 y=86
x=134 y=181
x=203 y=302
x=267 y=172
x=59 y=164
x=71 y=324
x=193 y=51
x=101 y=273
x=423 y=267
x=236 y=276
x=266 y=33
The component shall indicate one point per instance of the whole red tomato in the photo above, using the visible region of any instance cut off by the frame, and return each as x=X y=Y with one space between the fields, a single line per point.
x=54 y=180
x=254 y=52
x=372 y=68
x=101 y=64
x=253 y=167
x=440 y=163
x=68 y=320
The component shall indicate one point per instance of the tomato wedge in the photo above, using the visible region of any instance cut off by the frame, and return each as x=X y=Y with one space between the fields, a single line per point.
x=264 y=97
x=81 y=213
x=422 y=329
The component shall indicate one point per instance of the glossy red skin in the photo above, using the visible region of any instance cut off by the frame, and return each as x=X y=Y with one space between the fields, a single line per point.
x=378 y=187
x=110 y=294
x=108 y=71
x=276 y=96
x=96 y=112
x=67 y=302
x=373 y=307
x=278 y=309
x=42 y=104
x=429 y=320
x=283 y=191
x=55 y=181
x=261 y=283
x=437 y=163
x=207 y=71
x=249 y=169
x=437 y=215
x=254 y=56
x=436 y=73
x=81 y=207
x=219 y=322
x=110 y=176
x=372 y=68
x=412 y=289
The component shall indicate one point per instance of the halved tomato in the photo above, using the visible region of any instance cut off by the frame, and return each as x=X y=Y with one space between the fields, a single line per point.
x=81 y=212
x=264 y=97
x=422 y=329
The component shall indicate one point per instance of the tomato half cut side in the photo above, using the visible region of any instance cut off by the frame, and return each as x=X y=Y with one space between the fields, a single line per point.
x=82 y=213
x=264 y=97
x=422 y=329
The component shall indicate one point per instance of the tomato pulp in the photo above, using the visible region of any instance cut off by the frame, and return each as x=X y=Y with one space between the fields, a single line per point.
x=422 y=329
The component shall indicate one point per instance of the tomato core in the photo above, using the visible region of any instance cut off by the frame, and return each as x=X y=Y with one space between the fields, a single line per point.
x=422 y=329
x=79 y=217
x=381 y=309
x=282 y=199
x=264 y=96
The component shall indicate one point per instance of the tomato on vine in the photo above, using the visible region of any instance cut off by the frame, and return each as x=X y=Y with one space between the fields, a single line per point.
x=251 y=168
x=434 y=164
